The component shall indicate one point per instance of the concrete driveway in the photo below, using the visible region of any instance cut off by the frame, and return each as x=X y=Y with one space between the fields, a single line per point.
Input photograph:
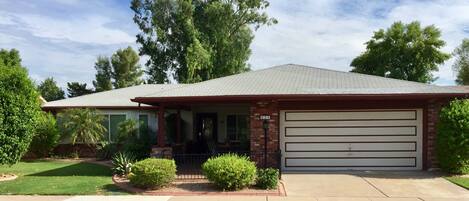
x=371 y=185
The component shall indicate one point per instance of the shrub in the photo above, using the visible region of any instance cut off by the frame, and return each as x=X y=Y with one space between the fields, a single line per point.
x=106 y=150
x=153 y=173
x=82 y=125
x=123 y=162
x=19 y=108
x=230 y=171
x=267 y=178
x=46 y=137
x=453 y=137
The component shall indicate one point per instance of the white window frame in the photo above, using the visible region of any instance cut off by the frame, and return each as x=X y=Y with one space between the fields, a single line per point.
x=109 y=122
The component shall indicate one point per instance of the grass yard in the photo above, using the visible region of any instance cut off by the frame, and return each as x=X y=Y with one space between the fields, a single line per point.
x=461 y=181
x=58 y=177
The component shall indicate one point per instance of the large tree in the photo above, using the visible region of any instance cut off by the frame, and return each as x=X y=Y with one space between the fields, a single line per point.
x=77 y=89
x=196 y=40
x=119 y=71
x=126 y=70
x=19 y=108
x=403 y=51
x=461 y=64
x=50 y=91
x=102 y=80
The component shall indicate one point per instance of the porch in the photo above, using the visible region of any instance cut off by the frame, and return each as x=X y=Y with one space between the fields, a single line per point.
x=192 y=133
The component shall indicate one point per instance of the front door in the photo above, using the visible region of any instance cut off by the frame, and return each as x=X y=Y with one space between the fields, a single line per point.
x=206 y=132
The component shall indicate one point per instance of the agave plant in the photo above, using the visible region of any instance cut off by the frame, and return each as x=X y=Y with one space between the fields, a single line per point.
x=122 y=162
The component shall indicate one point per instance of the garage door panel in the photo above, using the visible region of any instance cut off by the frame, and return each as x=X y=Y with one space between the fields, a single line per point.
x=383 y=123
x=349 y=146
x=351 y=162
x=351 y=154
x=349 y=115
x=351 y=131
x=351 y=139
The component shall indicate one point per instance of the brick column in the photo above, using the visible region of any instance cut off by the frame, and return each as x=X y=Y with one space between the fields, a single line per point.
x=257 y=133
x=432 y=114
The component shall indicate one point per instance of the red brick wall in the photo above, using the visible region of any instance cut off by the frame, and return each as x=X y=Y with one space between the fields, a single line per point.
x=432 y=114
x=257 y=133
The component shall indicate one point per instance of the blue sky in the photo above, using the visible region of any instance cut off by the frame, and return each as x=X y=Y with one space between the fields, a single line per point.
x=62 y=38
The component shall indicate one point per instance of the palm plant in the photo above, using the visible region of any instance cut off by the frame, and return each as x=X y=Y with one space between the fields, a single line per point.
x=82 y=125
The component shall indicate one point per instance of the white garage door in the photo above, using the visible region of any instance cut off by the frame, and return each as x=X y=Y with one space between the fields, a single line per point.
x=351 y=139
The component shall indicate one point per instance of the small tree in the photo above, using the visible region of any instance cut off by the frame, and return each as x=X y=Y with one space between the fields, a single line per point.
x=46 y=137
x=461 y=65
x=50 y=91
x=82 y=125
x=19 y=108
x=453 y=137
x=77 y=89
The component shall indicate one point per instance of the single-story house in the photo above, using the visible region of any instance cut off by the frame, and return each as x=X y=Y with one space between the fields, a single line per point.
x=317 y=119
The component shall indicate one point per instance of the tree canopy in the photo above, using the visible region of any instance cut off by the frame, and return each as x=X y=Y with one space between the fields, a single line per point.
x=196 y=40
x=102 y=80
x=50 y=91
x=19 y=108
x=403 y=51
x=461 y=64
x=126 y=71
x=82 y=125
x=119 y=71
x=77 y=89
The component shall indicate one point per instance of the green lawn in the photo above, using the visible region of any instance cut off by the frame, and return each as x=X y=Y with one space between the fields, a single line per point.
x=57 y=177
x=461 y=181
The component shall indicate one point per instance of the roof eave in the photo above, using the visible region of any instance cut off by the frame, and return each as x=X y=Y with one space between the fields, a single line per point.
x=280 y=97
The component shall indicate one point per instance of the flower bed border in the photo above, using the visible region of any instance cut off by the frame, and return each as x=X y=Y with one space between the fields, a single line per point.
x=9 y=177
x=118 y=181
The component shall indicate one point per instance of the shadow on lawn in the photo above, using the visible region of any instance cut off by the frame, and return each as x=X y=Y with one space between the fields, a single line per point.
x=78 y=169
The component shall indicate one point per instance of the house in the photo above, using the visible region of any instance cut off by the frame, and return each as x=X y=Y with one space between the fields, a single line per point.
x=316 y=118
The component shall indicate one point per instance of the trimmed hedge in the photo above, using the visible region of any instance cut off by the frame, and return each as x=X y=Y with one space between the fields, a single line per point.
x=230 y=171
x=153 y=173
x=453 y=137
x=267 y=178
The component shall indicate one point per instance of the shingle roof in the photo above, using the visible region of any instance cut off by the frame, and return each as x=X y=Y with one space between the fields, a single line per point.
x=113 y=98
x=294 y=79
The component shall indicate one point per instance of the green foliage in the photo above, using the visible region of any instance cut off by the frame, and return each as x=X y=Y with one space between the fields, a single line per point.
x=230 y=171
x=126 y=130
x=47 y=135
x=10 y=58
x=197 y=40
x=82 y=125
x=461 y=64
x=19 y=108
x=453 y=137
x=267 y=178
x=403 y=51
x=76 y=89
x=102 y=80
x=106 y=150
x=50 y=91
x=126 y=70
x=153 y=173
x=123 y=162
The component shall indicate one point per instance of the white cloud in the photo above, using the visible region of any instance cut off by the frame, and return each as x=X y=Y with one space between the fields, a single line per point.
x=87 y=29
x=330 y=34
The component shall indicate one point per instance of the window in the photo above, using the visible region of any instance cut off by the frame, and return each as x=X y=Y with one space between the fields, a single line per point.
x=143 y=124
x=237 y=127
x=111 y=123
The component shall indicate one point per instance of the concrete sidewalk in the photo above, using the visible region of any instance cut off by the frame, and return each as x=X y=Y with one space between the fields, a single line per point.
x=215 y=198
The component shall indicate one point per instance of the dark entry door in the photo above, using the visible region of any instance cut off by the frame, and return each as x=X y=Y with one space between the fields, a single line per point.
x=206 y=132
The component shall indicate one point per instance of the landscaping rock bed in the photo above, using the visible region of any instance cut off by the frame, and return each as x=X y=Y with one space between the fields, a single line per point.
x=195 y=187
